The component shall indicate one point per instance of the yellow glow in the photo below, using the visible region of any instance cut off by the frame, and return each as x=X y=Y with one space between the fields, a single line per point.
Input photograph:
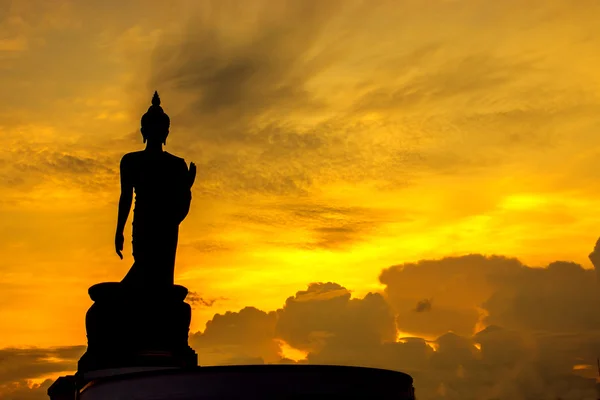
x=52 y=359
x=581 y=367
x=402 y=336
x=477 y=346
x=291 y=353
x=434 y=345
x=53 y=376
x=586 y=370
x=480 y=325
x=523 y=202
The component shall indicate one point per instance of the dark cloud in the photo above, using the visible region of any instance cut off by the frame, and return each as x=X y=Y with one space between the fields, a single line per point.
x=210 y=246
x=594 y=257
x=497 y=362
x=321 y=317
x=325 y=314
x=466 y=76
x=33 y=167
x=454 y=352
x=541 y=339
x=460 y=286
x=332 y=228
x=246 y=334
x=61 y=163
x=240 y=80
x=253 y=116
x=195 y=300
x=341 y=235
x=18 y=365
x=23 y=390
x=236 y=176
x=284 y=214
x=563 y=297
x=502 y=348
x=423 y=305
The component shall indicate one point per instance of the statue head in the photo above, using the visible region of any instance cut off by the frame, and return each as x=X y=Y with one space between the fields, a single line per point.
x=155 y=123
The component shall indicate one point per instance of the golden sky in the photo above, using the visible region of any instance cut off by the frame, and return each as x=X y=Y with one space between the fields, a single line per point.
x=333 y=139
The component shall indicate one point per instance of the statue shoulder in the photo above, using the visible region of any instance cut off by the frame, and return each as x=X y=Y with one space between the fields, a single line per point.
x=129 y=158
x=176 y=160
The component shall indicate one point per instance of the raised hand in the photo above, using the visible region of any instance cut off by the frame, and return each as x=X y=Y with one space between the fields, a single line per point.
x=192 y=174
x=119 y=240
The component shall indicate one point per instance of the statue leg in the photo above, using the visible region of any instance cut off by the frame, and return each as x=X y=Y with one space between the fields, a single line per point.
x=165 y=261
x=140 y=246
x=154 y=253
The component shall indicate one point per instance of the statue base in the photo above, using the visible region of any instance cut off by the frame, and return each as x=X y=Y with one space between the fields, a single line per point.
x=137 y=328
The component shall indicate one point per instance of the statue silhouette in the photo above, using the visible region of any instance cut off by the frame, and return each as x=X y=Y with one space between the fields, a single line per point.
x=162 y=185
x=144 y=321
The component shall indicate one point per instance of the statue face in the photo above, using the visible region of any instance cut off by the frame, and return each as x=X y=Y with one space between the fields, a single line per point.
x=151 y=134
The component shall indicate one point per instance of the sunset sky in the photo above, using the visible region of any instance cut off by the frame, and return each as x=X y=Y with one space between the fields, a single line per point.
x=334 y=140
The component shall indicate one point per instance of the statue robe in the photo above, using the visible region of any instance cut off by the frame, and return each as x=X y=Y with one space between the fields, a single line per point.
x=162 y=200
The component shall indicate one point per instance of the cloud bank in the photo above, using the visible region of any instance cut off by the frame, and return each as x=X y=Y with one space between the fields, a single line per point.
x=499 y=329
x=481 y=327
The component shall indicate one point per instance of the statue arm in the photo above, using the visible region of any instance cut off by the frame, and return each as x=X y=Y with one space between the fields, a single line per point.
x=126 y=198
x=186 y=190
x=125 y=202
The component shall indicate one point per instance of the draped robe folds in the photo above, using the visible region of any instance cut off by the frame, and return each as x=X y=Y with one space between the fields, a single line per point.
x=162 y=201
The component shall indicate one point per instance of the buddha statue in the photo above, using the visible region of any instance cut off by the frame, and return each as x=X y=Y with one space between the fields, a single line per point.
x=162 y=185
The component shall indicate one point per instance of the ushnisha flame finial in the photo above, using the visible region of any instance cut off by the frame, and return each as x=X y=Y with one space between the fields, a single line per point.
x=155 y=99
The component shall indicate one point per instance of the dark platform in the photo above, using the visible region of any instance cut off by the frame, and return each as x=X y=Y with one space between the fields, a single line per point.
x=255 y=382
x=137 y=328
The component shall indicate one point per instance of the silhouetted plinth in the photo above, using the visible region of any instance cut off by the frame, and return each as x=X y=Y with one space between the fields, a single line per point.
x=137 y=328
x=261 y=382
x=64 y=388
